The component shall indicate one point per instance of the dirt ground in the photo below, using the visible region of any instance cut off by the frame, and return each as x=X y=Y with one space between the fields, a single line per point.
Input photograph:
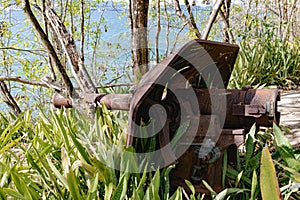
x=289 y=108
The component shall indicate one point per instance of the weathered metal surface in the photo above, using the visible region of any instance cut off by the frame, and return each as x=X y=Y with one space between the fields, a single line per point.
x=244 y=108
x=111 y=101
x=59 y=101
x=213 y=125
x=115 y=101
x=199 y=56
x=192 y=167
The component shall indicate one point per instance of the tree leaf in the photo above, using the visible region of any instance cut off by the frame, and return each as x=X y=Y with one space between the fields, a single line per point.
x=121 y=189
x=20 y=185
x=222 y=195
x=177 y=195
x=56 y=172
x=285 y=149
x=13 y=193
x=280 y=138
x=212 y=192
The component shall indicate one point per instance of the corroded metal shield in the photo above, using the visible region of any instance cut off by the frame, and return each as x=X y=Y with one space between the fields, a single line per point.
x=193 y=61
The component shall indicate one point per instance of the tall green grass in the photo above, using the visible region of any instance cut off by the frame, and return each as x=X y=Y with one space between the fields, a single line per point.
x=59 y=154
x=62 y=155
x=264 y=59
x=265 y=151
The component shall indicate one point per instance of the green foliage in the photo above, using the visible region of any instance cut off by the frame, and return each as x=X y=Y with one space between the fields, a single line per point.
x=269 y=52
x=266 y=62
x=60 y=155
x=256 y=159
x=61 y=160
x=269 y=184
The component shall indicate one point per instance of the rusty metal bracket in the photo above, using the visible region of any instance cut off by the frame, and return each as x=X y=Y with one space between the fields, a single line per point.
x=248 y=110
x=270 y=108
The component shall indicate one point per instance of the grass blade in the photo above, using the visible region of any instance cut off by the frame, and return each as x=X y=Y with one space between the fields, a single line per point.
x=73 y=186
x=268 y=181
x=254 y=186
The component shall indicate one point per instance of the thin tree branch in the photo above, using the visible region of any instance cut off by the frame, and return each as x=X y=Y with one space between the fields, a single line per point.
x=211 y=19
x=180 y=14
x=32 y=51
x=79 y=71
x=47 y=33
x=168 y=28
x=227 y=28
x=115 y=85
x=82 y=30
x=48 y=46
x=48 y=84
x=192 y=19
x=72 y=28
x=272 y=10
x=157 y=32
x=227 y=34
x=176 y=38
x=8 y=99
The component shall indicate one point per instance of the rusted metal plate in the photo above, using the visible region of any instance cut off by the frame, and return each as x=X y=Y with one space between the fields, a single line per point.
x=189 y=167
x=197 y=56
x=243 y=108
x=248 y=110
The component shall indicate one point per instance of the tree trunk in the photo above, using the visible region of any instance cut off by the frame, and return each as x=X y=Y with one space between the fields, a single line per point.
x=139 y=15
x=77 y=67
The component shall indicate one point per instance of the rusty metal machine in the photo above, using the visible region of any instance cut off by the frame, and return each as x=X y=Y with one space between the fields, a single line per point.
x=187 y=92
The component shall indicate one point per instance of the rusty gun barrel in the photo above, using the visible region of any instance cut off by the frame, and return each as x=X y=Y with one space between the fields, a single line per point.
x=244 y=107
x=111 y=101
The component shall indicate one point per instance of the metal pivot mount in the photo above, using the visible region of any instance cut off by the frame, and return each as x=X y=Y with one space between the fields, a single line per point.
x=164 y=95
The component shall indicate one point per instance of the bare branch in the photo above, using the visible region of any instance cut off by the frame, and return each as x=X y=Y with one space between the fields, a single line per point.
x=225 y=13
x=82 y=30
x=157 y=32
x=39 y=52
x=227 y=28
x=167 y=18
x=211 y=19
x=44 y=83
x=182 y=15
x=50 y=83
x=47 y=33
x=84 y=81
x=176 y=38
x=48 y=46
x=192 y=19
x=8 y=99
x=115 y=85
